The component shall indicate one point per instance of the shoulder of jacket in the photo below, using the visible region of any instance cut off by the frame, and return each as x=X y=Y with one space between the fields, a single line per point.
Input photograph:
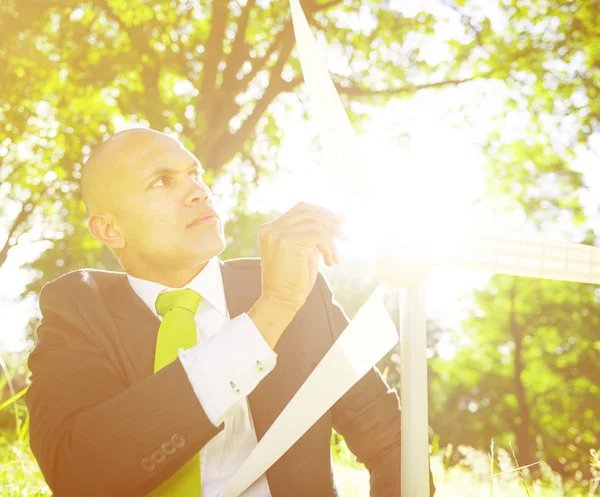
x=80 y=280
x=87 y=277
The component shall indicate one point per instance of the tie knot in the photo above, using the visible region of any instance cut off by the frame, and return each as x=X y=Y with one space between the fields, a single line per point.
x=184 y=298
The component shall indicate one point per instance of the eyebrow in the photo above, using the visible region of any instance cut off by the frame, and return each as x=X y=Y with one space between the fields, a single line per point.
x=172 y=170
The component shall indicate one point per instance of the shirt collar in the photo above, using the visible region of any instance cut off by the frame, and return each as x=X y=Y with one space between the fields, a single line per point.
x=208 y=283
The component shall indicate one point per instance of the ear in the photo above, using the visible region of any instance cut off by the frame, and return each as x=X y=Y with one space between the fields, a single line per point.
x=104 y=229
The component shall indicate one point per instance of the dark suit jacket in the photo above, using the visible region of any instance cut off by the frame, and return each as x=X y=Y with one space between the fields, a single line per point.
x=98 y=411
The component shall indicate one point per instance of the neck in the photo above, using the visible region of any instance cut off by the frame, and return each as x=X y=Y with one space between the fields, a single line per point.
x=172 y=278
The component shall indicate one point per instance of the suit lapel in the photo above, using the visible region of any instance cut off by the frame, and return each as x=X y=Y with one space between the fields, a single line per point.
x=137 y=327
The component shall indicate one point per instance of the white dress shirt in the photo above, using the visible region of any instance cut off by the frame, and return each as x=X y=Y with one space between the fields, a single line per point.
x=230 y=359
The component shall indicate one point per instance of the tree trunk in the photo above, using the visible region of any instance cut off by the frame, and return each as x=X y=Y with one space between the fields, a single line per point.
x=525 y=448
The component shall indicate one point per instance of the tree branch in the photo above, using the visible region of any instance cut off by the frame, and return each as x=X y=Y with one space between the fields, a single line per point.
x=257 y=170
x=136 y=34
x=26 y=210
x=239 y=49
x=358 y=91
x=260 y=63
x=15 y=170
x=150 y=74
x=468 y=20
x=47 y=4
x=285 y=32
x=229 y=145
x=151 y=101
x=213 y=50
x=207 y=143
x=326 y=5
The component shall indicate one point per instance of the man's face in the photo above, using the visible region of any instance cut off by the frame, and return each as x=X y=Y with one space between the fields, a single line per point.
x=160 y=194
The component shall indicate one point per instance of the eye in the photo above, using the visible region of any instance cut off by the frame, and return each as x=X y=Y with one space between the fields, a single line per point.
x=195 y=173
x=158 y=181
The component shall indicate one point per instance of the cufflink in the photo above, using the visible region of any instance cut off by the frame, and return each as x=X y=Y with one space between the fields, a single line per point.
x=259 y=366
x=234 y=387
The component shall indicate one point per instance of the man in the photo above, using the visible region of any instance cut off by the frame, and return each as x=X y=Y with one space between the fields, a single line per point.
x=105 y=421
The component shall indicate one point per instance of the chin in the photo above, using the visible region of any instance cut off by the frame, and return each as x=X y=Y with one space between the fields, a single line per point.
x=209 y=246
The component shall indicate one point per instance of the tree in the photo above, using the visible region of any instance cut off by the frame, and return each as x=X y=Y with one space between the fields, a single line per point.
x=526 y=370
x=206 y=73
x=546 y=53
x=215 y=74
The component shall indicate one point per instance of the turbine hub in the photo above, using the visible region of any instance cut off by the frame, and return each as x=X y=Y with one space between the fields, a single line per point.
x=406 y=261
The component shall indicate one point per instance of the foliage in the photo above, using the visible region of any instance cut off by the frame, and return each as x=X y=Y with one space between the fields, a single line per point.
x=218 y=75
x=13 y=385
x=547 y=54
x=71 y=73
x=525 y=370
x=241 y=234
x=19 y=472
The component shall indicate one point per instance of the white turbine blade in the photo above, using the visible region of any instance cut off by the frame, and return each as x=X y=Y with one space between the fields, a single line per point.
x=368 y=337
x=520 y=254
x=341 y=155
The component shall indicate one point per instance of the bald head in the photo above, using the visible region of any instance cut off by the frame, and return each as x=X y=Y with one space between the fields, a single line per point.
x=144 y=193
x=101 y=172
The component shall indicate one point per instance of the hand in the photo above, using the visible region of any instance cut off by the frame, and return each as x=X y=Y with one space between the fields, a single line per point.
x=290 y=249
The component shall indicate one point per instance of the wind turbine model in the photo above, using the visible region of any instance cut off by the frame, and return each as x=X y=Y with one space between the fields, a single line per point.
x=406 y=259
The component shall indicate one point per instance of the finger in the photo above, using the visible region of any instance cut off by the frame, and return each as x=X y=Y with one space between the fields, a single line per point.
x=313 y=258
x=314 y=239
x=334 y=227
x=305 y=207
x=314 y=226
x=275 y=233
x=336 y=255
x=308 y=225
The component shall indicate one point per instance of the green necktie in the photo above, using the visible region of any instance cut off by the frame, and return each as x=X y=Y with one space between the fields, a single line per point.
x=177 y=330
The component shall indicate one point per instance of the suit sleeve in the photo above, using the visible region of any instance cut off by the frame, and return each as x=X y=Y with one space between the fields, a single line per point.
x=368 y=417
x=91 y=432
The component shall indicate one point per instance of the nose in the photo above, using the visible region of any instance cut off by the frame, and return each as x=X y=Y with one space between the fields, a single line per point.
x=198 y=193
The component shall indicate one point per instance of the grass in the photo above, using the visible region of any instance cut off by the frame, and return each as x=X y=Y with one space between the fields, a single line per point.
x=20 y=475
x=474 y=477
x=477 y=477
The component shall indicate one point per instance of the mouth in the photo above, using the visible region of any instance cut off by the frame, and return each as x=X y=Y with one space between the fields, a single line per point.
x=209 y=217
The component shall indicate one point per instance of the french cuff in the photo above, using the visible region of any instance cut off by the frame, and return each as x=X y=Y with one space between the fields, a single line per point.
x=226 y=367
